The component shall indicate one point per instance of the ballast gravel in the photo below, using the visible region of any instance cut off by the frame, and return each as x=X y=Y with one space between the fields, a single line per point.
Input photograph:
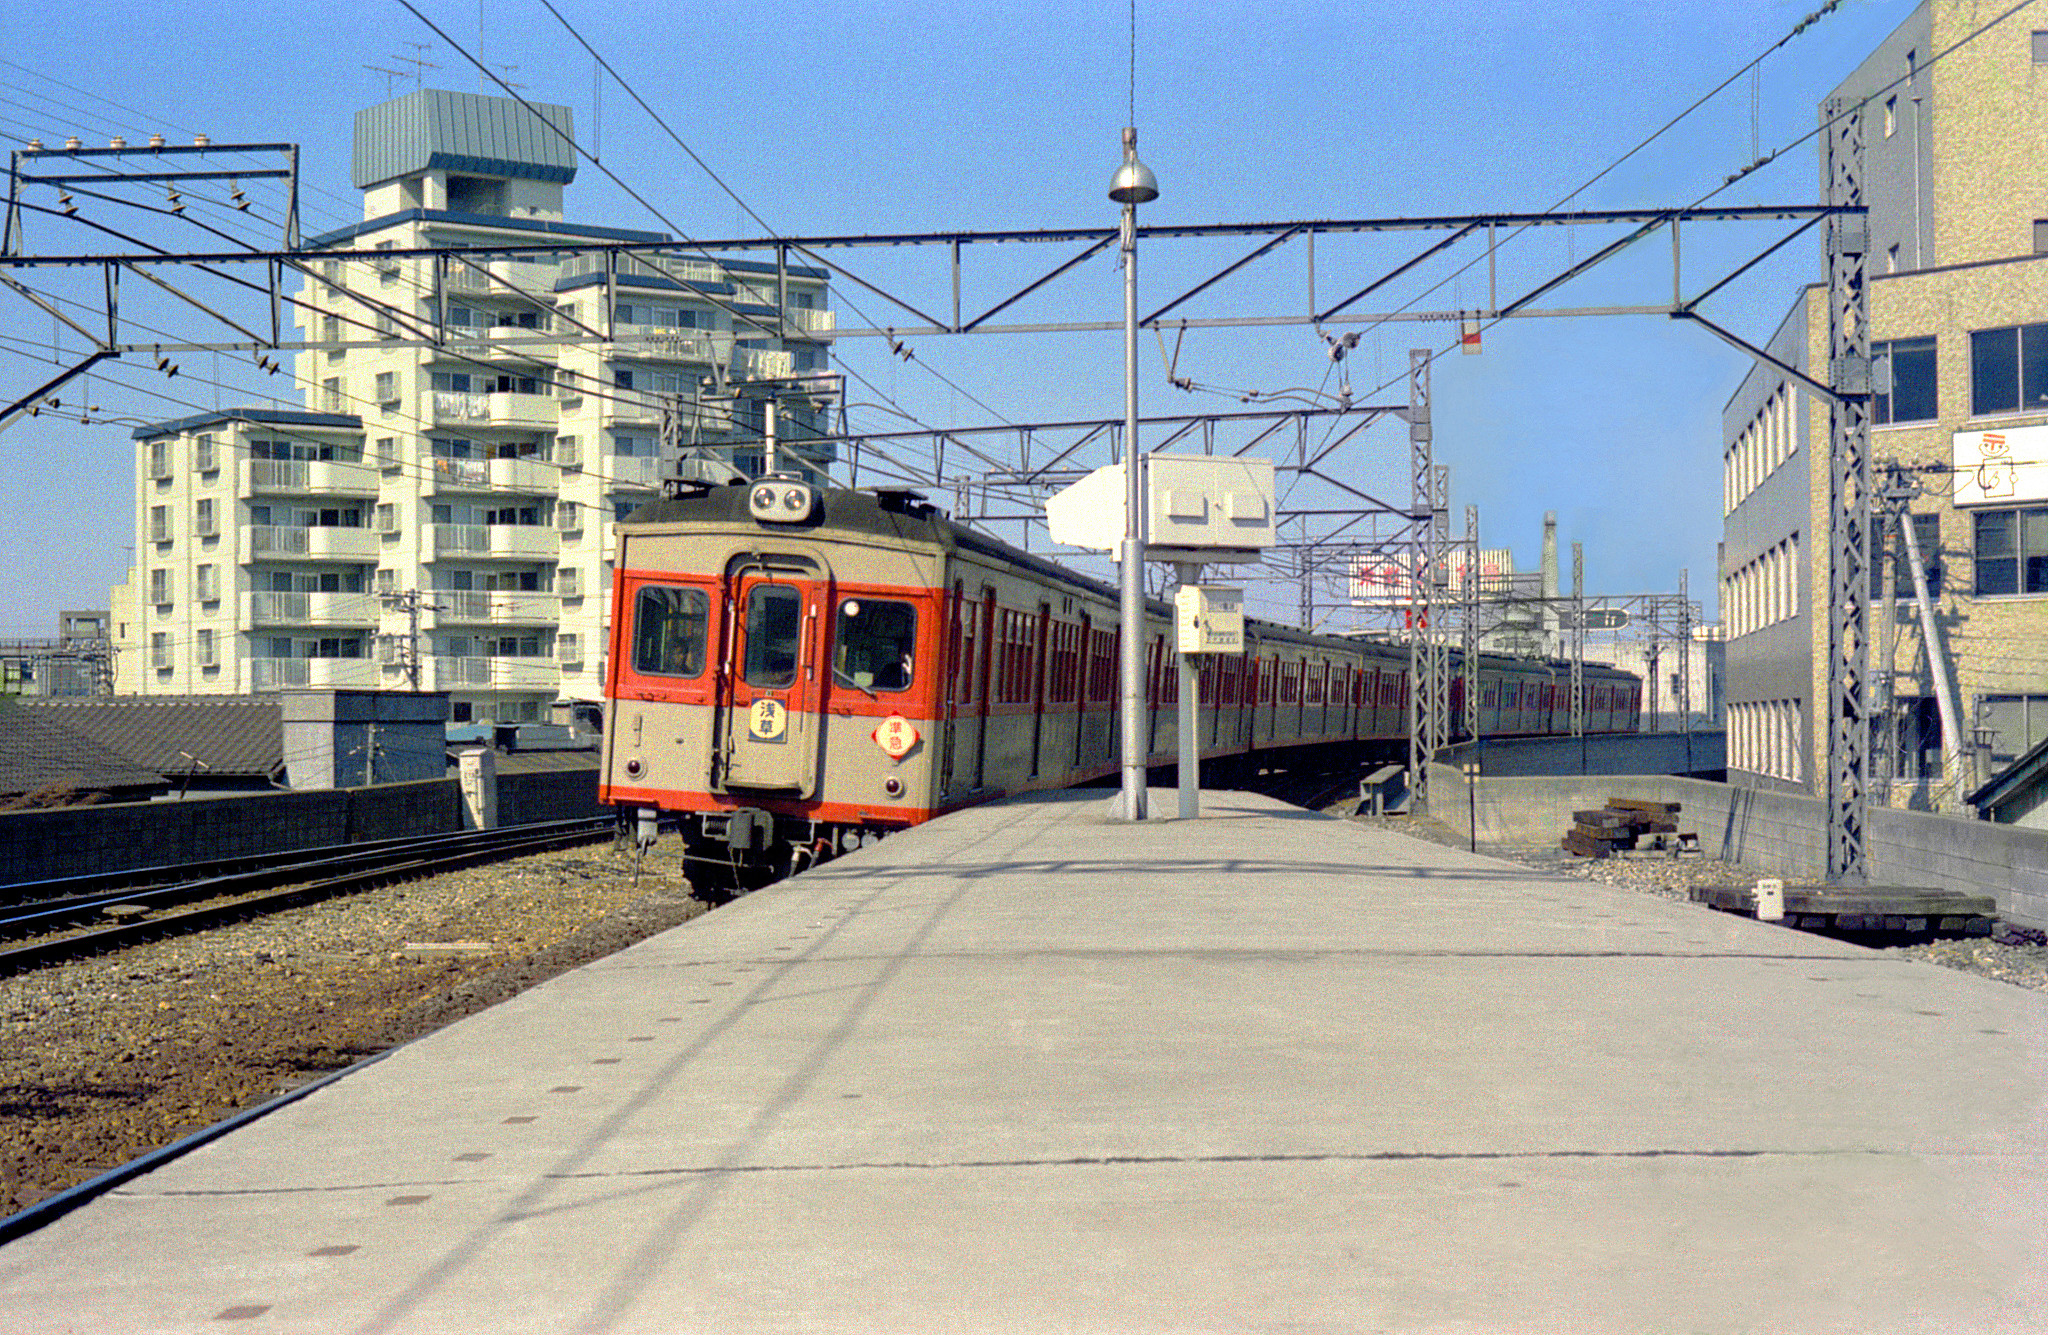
x=2015 y=954
x=108 y=1058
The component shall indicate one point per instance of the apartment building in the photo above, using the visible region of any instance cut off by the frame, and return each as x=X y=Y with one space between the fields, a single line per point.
x=439 y=514
x=1958 y=193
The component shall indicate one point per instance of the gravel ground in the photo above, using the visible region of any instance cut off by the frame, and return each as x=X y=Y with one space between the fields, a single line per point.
x=108 y=1058
x=2016 y=955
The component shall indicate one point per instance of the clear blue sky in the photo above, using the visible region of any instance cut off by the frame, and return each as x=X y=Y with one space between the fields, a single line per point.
x=883 y=116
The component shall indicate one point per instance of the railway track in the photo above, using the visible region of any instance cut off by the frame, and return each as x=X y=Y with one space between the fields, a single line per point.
x=167 y=905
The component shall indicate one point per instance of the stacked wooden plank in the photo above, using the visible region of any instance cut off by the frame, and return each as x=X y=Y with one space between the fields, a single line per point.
x=1621 y=825
x=1913 y=910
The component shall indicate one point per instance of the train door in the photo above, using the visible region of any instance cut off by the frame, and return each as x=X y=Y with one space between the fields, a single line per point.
x=769 y=695
x=1038 y=665
x=959 y=639
x=982 y=683
x=1084 y=664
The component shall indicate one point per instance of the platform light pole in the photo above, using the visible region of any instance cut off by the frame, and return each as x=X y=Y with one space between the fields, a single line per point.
x=1133 y=185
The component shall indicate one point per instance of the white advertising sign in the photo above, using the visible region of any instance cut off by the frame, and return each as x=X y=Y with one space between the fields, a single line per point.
x=2001 y=467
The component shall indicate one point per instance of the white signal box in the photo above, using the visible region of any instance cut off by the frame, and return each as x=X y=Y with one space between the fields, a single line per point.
x=1204 y=508
x=1209 y=619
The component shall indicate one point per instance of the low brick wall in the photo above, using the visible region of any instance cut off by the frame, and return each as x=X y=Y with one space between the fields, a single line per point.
x=1775 y=833
x=76 y=841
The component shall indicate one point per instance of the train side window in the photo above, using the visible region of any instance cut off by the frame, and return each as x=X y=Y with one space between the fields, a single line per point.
x=774 y=624
x=668 y=631
x=874 y=644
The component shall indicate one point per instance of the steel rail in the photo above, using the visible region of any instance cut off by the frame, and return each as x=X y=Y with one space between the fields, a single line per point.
x=57 y=888
x=518 y=840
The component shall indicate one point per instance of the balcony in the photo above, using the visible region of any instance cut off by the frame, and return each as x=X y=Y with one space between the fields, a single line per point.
x=527 y=542
x=495 y=607
x=635 y=342
x=308 y=477
x=342 y=544
x=536 y=277
x=521 y=341
x=510 y=674
x=762 y=364
x=313 y=609
x=818 y=324
x=271 y=674
x=530 y=475
x=632 y=471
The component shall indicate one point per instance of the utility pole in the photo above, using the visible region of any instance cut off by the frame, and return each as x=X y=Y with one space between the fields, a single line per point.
x=1579 y=650
x=1132 y=185
x=1848 y=720
x=413 y=602
x=1471 y=626
x=1429 y=706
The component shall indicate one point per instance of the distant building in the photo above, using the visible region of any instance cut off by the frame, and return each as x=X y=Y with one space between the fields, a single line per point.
x=1958 y=257
x=77 y=661
x=438 y=515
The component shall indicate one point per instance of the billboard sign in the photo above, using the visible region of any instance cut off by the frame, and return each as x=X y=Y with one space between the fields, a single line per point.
x=2006 y=467
x=1388 y=581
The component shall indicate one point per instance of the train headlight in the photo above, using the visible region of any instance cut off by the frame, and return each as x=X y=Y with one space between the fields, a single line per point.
x=633 y=768
x=776 y=501
x=892 y=786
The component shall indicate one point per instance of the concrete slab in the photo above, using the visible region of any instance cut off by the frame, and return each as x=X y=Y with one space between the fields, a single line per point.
x=1029 y=1069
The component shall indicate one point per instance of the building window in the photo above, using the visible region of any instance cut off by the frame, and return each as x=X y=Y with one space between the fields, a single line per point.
x=160 y=586
x=1918 y=719
x=1911 y=397
x=1891 y=116
x=387 y=452
x=330 y=395
x=387 y=387
x=208 y=656
x=203 y=522
x=203 y=456
x=160 y=651
x=206 y=584
x=2041 y=236
x=159 y=524
x=2011 y=551
x=623 y=378
x=2009 y=370
x=2040 y=47
x=159 y=459
x=2017 y=724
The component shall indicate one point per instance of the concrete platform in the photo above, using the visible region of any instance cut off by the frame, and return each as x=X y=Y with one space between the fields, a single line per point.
x=1027 y=1070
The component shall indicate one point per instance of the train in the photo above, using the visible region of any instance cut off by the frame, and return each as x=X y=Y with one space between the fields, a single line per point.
x=797 y=669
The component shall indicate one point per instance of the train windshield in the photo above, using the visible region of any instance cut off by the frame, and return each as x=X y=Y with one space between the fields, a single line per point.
x=774 y=622
x=873 y=644
x=668 y=631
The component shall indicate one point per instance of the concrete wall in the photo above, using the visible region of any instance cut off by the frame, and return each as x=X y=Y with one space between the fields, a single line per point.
x=1625 y=753
x=547 y=795
x=1773 y=833
x=74 y=841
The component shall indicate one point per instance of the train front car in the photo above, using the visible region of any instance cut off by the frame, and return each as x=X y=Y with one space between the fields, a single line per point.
x=772 y=672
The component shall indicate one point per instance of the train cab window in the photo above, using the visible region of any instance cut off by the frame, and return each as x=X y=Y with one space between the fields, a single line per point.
x=668 y=631
x=874 y=645
x=774 y=625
